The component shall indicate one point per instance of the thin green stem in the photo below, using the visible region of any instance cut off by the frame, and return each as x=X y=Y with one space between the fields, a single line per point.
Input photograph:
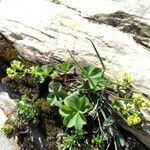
x=100 y=59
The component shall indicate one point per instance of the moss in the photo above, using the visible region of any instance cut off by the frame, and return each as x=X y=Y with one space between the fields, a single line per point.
x=7 y=51
x=49 y=125
x=43 y=104
x=7 y=54
x=51 y=133
x=22 y=86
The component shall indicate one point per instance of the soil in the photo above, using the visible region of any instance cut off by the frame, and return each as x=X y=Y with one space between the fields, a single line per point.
x=7 y=53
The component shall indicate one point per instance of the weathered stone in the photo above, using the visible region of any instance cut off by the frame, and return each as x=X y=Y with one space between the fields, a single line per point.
x=43 y=31
x=7 y=144
x=3 y=118
x=7 y=108
x=139 y=8
x=126 y=23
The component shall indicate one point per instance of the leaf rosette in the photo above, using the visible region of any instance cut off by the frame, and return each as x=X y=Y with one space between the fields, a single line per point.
x=94 y=76
x=56 y=94
x=74 y=110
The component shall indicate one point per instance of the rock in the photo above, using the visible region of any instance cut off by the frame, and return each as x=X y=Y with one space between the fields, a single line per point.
x=139 y=8
x=3 y=118
x=8 y=144
x=126 y=23
x=7 y=108
x=42 y=31
x=7 y=103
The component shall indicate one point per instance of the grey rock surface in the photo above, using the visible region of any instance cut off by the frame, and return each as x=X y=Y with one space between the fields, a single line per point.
x=3 y=118
x=7 y=144
x=7 y=107
x=4 y=142
x=7 y=99
x=43 y=31
x=140 y=8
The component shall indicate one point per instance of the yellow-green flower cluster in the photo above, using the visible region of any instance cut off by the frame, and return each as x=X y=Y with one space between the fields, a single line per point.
x=17 y=68
x=133 y=119
x=125 y=80
x=133 y=108
x=38 y=73
x=131 y=104
x=32 y=70
x=137 y=99
x=140 y=102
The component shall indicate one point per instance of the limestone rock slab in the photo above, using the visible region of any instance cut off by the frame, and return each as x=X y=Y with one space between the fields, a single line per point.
x=43 y=31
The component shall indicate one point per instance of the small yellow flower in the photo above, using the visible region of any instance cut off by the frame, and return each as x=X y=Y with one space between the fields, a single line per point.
x=32 y=70
x=145 y=104
x=11 y=73
x=137 y=99
x=17 y=65
x=125 y=79
x=133 y=119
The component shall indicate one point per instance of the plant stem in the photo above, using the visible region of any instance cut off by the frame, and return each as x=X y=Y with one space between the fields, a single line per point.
x=100 y=59
x=99 y=122
x=108 y=145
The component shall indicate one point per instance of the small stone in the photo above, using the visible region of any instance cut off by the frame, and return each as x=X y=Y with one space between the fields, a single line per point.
x=3 y=118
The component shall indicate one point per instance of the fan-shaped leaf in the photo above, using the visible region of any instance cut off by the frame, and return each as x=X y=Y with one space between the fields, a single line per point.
x=94 y=76
x=74 y=109
x=56 y=94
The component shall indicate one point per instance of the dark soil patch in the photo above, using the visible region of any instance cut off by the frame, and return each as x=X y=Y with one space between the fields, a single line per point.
x=23 y=86
x=7 y=54
x=7 y=51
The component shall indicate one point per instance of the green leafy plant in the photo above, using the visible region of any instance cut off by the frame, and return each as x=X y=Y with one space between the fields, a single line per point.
x=64 y=68
x=70 y=141
x=16 y=69
x=97 y=91
x=39 y=74
x=9 y=126
x=98 y=141
x=90 y=103
x=28 y=112
x=94 y=76
x=74 y=109
x=7 y=129
x=56 y=94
